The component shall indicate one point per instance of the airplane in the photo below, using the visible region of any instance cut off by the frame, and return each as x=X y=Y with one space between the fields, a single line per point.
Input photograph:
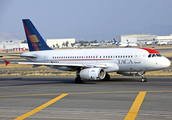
x=154 y=42
x=125 y=44
x=149 y=43
x=162 y=43
x=91 y=64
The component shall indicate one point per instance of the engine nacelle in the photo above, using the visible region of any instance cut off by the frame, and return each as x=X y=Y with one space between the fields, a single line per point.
x=92 y=73
x=129 y=73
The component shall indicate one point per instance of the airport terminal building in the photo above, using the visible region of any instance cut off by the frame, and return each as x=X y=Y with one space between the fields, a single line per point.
x=144 y=38
x=13 y=46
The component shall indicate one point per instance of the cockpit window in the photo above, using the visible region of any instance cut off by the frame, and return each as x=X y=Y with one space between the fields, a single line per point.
x=149 y=55
x=158 y=55
x=154 y=55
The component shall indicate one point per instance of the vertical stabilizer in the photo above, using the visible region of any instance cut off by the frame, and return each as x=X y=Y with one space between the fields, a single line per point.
x=34 y=39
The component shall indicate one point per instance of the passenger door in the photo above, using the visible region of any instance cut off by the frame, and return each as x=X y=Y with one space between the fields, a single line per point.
x=137 y=57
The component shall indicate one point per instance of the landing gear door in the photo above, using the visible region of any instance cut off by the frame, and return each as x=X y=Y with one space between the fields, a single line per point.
x=137 y=57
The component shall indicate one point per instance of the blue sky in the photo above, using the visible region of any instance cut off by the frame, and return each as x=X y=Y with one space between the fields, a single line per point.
x=87 y=19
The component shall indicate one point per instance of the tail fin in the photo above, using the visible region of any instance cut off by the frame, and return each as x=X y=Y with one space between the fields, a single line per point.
x=34 y=39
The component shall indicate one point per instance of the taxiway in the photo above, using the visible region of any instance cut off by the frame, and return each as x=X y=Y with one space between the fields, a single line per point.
x=52 y=98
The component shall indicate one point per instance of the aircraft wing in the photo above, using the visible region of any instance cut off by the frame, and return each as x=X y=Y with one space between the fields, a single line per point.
x=49 y=64
x=59 y=64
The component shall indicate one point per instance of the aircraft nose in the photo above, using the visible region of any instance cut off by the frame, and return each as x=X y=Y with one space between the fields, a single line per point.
x=166 y=63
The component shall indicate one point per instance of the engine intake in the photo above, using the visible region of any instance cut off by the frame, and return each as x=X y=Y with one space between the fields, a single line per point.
x=92 y=73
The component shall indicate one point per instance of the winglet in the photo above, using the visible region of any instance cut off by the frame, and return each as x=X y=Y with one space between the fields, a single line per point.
x=6 y=62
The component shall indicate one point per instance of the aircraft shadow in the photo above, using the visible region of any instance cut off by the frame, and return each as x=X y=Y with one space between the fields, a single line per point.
x=4 y=82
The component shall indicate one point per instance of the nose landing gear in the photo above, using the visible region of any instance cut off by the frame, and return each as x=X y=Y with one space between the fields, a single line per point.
x=143 y=79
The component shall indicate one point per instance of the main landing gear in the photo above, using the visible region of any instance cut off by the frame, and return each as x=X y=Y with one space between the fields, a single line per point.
x=143 y=79
x=107 y=77
x=78 y=79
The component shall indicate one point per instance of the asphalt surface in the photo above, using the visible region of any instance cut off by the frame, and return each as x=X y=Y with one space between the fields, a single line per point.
x=164 y=50
x=93 y=100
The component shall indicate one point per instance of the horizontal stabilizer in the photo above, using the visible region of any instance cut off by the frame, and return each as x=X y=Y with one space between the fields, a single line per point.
x=29 y=56
x=7 y=62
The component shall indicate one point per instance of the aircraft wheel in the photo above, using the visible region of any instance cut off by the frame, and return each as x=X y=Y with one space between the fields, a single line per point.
x=144 y=79
x=79 y=80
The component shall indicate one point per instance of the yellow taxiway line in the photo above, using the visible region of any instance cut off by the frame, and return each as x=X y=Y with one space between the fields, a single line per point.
x=40 y=107
x=130 y=116
x=136 y=106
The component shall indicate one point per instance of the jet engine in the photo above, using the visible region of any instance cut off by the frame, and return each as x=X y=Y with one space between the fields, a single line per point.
x=129 y=73
x=92 y=73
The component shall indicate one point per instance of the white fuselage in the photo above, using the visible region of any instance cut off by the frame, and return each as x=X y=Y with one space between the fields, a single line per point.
x=117 y=59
